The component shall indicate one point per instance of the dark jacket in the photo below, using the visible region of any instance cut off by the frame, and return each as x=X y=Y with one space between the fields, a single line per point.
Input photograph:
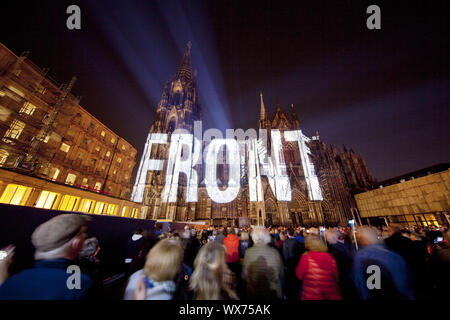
x=292 y=251
x=47 y=280
x=396 y=280
x=243 y=246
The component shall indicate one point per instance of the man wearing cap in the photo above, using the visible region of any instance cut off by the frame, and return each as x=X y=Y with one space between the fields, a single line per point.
x=58 y=243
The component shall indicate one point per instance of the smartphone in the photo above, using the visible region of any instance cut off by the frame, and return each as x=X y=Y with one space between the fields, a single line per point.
x=438 y=239
x=351 y=223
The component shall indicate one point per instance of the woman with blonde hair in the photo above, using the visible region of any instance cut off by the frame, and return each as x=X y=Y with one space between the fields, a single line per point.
x=318 y=271
x=212 y=279
x=156 y=280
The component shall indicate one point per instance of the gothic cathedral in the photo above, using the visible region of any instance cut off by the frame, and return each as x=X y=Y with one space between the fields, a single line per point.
x=340 y=172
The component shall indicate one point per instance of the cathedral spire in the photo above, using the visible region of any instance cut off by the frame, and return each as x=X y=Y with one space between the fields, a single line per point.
x=263 y=109
x=293 y=113
x=185 y=69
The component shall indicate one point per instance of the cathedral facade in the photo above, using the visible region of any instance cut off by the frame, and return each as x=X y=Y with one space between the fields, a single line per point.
x=340 y=172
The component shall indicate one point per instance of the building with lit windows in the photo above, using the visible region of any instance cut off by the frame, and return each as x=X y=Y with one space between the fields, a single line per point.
x=46 y=134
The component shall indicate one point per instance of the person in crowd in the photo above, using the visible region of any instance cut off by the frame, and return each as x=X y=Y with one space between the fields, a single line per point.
x=318 y=271
x=231 y=242
x=343 y=255
x=283 y=237
x=395 y=278
x=156 y=280
x=213 y=236
x=220 y=235
x=263 y=268
x=58 y=243
x=212 y=279
x=204 y=238
x=244 y=244
x=300 y=236
x=159 y=230
x=90 y=265
x=190 y=246
x=440 y=264
x=134 y=245
x=399 y=242
x=292 y=251
x=138 y=261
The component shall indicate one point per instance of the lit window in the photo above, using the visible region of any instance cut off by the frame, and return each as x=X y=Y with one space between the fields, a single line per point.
x=71 y=179
x=85 y=182
x=126 y=178
x=97 y=148
x=98 y=185
x=111 y=209
x=3 y=157
x=135 y=212
x=16 y=91
x=103 y=167
x=115 y=171
x=119 y=160
x=46 y=139
x=123 y=147
x=4 y=113
x=103 y=133
x=41 y=90
x=65 y=147
x=28 y=108
x=15 y=194
x=125 y=211
x=86 y=205
x=99 y=206
x=108 y=154
x=54 y=174
x=47 y=199
x=14 y=130
x=113 y=140
x=69 y=203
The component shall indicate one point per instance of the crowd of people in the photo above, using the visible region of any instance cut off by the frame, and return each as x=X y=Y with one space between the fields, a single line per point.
x=223 y=263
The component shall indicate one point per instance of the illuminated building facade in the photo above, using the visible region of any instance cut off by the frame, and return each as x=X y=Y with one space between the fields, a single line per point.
x=420 y=198
x=46 y=133
x=308 y=160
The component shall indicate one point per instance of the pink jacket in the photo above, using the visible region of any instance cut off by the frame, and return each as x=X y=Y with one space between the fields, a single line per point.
x=319 y=274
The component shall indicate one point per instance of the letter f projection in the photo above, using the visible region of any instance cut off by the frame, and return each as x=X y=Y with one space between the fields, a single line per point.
x=147 y=164
x=312 y=182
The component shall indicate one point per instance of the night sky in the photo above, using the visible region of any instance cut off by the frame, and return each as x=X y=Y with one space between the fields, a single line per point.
x=385 y=93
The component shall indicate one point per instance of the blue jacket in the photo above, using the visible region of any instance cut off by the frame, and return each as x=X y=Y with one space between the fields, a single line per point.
x=47 y=280
x=396 y=281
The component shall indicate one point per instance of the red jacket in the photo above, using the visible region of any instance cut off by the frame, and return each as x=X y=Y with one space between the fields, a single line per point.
x=232 y=243
x=319 y=274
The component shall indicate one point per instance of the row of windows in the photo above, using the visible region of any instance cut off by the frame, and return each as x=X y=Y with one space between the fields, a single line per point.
x=18 y=195
x=65 y=148
x=92 y=128
x=29 y=108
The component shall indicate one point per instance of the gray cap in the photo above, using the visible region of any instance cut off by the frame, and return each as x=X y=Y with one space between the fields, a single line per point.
x=58 y=231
